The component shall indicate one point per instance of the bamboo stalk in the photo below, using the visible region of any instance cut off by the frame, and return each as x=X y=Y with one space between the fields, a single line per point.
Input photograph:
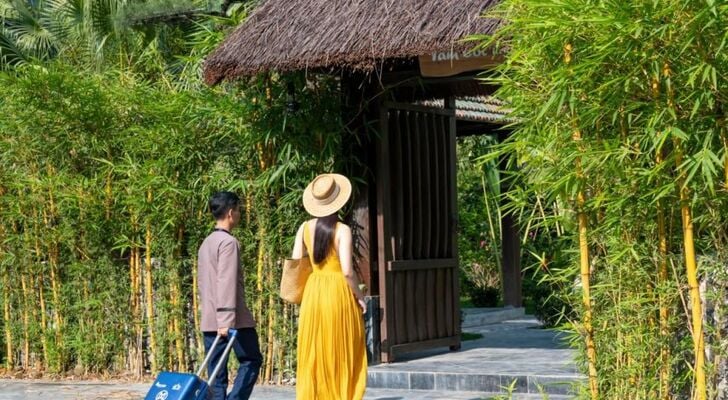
x=260 y=262
x=140 y=316
x=176 y=324
x=26 y=322
x=132 y=282
x=55 y=290
x=9 y=359
x=270 y=349
x=700 y=390
x=724 y=136
x=692 y=275
x=177 y=311
x=662 y=276
x=4 y=272
x=109 y=196
x=195 y=307
x=149 y=297
x=281 y=349
x=170 y=342
x=38 y=261
x=43 y=321
x=584 y=261
x=55 y=282
x=663 y=306
x=136 y=351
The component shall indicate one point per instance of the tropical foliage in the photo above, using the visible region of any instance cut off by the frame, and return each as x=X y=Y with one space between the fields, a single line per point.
x=105 y=180
x=623 y=151
x=110 y=147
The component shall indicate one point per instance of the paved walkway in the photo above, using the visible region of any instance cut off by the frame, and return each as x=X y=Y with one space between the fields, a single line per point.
x=68 y=390
x=514 y=353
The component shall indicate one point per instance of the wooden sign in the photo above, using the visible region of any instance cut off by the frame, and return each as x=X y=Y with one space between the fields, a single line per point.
x=449 y=63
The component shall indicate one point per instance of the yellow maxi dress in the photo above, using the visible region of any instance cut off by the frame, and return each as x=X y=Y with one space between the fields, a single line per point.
x=332 y=361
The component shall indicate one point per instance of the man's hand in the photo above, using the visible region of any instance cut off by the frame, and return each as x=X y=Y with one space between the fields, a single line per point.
x=223 y=331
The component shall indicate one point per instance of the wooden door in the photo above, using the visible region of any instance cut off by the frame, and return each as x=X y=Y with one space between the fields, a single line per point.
x=416 y=230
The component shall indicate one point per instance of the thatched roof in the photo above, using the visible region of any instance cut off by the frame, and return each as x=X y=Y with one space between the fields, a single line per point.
x=286 y=35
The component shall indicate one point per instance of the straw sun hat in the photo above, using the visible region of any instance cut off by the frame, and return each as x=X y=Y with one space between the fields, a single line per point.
x=326 y=194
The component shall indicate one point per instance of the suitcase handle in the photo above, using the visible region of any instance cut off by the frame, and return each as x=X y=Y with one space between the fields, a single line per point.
x=232 y=333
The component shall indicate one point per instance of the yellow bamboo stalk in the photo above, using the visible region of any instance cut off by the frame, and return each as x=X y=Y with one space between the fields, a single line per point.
x=662 y=274
x=584 y=262
x=170 y=344
x=270 y=349
x=700 y=392
x=248 y=207
x=261 y=256
x=136 y=348
x=700 y=389
x=179 y=312
x=132 y=283
x=109 y=196
x=664 y=310
x=281 y=349
x=259 y=274
x=149 y=297
x=140 y=317
x=177 y=325
x=724 y=135
x=55 y=283
x=26 y=323
x=43 y=321
x=195 y=307
x=55 y=289
x=9 y=359
x=43 y=324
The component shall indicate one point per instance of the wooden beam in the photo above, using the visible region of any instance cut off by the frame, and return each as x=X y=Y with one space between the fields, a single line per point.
x=418 y=265
x=400 y=349
x=383 y=232
x=510 y=248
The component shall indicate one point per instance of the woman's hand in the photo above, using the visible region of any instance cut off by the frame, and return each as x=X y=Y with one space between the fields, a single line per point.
x=363 y=305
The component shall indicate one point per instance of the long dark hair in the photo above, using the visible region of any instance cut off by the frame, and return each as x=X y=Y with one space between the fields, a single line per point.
x=324 y=237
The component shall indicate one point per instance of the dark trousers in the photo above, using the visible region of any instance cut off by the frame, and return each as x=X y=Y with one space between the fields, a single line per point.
x=247 y=351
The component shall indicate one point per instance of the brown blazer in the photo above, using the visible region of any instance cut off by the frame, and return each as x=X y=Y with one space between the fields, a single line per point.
x=220 y=280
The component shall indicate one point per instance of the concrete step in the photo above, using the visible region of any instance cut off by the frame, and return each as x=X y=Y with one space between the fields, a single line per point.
x=486 y=316
x=521 y=384
x=516 y=354
x=391 y=394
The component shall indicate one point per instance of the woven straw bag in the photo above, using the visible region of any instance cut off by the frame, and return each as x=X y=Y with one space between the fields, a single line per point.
x=293 y=281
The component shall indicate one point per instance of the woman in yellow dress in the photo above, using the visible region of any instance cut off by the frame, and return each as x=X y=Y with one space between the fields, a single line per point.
x=332 y=362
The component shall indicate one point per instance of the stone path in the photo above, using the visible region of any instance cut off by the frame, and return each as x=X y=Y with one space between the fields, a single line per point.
x=68 y=390
x=515 y=353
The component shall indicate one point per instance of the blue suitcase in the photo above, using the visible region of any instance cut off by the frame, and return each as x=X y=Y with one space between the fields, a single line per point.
x=183 y=386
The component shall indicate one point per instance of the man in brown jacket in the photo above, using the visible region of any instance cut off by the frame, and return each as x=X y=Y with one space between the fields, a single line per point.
x=222 y=301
